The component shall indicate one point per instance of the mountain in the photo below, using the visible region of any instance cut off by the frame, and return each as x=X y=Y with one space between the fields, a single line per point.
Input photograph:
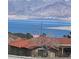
x=56 y=9
x=39 y=8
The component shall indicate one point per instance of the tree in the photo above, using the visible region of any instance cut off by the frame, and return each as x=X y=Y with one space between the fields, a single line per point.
x=68 y=36
x=64 y=36
x=43 y=34
x=29 y=36
x=20 y=35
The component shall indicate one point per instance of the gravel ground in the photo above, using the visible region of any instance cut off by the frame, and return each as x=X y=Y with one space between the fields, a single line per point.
x=22 y=57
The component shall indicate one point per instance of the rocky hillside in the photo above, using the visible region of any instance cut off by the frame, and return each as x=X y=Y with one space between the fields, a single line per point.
x=12 y=37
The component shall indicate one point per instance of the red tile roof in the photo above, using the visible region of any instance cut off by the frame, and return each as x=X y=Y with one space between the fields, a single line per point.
x=62 y=40
x=24 y=43
x=21 y=43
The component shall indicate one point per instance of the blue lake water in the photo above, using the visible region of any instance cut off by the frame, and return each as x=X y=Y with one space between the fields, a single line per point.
x=38 y=26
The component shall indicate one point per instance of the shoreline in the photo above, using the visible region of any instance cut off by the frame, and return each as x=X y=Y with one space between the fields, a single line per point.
x=61 y=28
x=23 y=17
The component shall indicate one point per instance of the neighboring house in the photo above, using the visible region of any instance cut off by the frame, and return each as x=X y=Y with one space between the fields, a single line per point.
x=41 y=47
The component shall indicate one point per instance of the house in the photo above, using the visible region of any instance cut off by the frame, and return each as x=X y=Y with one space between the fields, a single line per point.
x=28 y=48
x=64 y=46
x=41 y=47
x=21 y=47
x=61 y=45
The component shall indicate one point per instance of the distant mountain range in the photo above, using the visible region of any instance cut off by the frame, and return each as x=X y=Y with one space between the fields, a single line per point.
x=40 y=8
x=56 y=9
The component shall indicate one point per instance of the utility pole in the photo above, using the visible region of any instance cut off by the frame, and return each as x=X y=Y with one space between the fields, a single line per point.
x=41 y=26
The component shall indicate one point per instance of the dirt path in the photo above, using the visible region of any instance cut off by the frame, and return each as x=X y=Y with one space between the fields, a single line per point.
x=22 y=57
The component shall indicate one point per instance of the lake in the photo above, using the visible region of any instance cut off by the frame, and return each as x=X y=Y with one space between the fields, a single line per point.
x=37 y=27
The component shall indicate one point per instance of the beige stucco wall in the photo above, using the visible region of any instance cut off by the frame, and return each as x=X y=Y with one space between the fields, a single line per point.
x=51 y=54
x=35 y=53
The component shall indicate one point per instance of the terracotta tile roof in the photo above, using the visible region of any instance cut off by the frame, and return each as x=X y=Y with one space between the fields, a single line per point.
x=40 y=41
x=21 y=43
x=62 y=40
